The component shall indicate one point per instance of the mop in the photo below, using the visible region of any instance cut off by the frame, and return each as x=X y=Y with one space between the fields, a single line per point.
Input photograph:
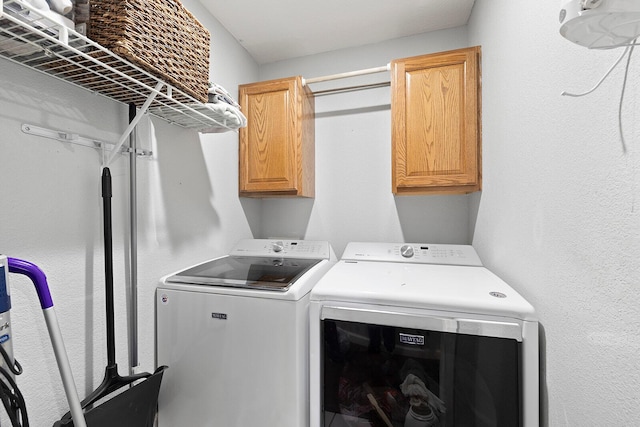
x=46 y=302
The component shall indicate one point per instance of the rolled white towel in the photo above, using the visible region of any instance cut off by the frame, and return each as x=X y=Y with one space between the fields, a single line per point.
x=233 y=117
x=53 y=18
x=39 y=4
x=219 y=94
x=61 y=6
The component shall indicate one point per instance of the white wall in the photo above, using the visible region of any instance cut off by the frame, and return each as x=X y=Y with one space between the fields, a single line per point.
x=558 y=217
x=353 y=199
x=51 y=214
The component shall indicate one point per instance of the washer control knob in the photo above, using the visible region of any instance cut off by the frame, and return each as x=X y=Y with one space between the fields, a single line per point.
x=406 y=251
x=277 y=246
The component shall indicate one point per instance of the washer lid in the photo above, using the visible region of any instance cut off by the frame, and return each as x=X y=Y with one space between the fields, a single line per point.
x=267 y=273
x=473 y=290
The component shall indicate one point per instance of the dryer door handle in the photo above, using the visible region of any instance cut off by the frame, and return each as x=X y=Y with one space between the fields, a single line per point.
x=427 y=321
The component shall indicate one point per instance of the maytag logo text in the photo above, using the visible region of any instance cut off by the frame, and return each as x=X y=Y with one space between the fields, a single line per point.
x=411 y=339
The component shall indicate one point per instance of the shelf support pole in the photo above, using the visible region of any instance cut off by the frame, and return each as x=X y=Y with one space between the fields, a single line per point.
x=133 y=249
x=134 y=122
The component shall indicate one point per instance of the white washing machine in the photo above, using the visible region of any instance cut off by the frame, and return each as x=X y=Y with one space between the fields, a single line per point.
x=406 y=335
x=234 y=333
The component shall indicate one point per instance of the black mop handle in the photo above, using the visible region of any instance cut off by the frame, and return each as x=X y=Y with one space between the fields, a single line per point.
x=108 y=266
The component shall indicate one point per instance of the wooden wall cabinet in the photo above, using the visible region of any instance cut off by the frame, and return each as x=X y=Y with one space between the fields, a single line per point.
x=436 y=128
x=277 y=148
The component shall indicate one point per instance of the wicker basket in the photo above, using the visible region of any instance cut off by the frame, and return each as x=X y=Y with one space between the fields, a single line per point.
x=160 y=36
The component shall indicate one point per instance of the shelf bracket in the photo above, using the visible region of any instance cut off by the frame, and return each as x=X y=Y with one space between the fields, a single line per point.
x=77 y=139
x=134 y=122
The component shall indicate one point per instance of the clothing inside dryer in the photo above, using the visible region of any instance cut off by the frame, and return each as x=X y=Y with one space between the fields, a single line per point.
x=376 y=375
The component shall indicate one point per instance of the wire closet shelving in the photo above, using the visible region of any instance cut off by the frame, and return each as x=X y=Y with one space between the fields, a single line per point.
x=34 y=39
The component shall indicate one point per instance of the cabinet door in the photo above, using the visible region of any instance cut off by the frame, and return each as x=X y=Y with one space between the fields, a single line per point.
x=274 y=147
x=436 y=123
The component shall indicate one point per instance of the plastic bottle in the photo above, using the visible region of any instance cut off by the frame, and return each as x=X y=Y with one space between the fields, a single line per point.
x=420 y=416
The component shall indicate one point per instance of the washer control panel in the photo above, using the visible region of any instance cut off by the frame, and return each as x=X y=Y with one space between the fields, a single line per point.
x=283 y=248
x=417 y=253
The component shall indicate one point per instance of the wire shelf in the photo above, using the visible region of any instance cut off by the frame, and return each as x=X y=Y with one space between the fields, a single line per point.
x=36 y=39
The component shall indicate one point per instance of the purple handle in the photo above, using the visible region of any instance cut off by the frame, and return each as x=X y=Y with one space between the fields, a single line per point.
x=36 y=275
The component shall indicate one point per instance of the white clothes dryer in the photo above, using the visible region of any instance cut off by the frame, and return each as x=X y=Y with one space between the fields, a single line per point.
x=407 y=335
x=234 y=333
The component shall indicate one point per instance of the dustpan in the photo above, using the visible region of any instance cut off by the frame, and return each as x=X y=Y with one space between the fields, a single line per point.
x=133 y=407
x=136 y=405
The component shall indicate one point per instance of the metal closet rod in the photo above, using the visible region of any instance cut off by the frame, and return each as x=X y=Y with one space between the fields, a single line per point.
x=350 y=88
x=346 y=75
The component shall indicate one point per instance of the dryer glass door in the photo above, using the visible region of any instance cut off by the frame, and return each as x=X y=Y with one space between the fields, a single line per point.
x=391 y=376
